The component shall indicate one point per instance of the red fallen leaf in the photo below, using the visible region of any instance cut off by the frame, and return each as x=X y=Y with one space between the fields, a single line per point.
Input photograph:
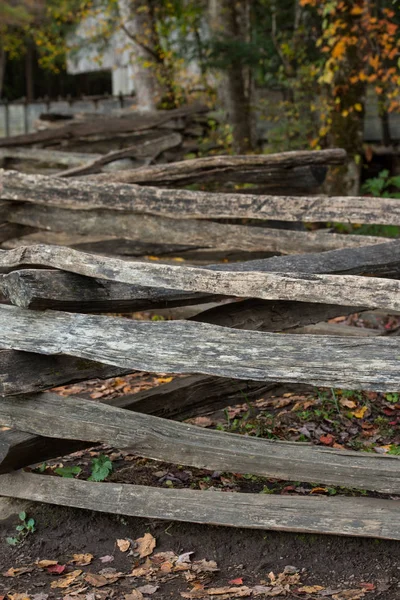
x=393 y=422
x=237 y=581
x=388 y=411
x=327 y=439
x=288 y=488
x=57 y=569
x=368 y=586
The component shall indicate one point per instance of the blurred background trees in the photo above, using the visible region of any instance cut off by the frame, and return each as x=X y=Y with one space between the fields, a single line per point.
x=301 y=69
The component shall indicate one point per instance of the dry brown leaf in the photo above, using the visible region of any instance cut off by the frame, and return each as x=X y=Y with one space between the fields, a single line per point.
x=139 y=572
x=354 y=594
x=43 y=564
x=261 y=590
x=310 y=589
x=18 y=597
x=134 y=595
x=204 y=566
x=148 y=589
x=227 y=591
x=201 y=421
x=66 y=580
x=303 y=405
x=123 y=545
x=167 y=566
x=82 y=559
x=146 y=545
x=347 y=403
x=96 y=580
x=16 y=572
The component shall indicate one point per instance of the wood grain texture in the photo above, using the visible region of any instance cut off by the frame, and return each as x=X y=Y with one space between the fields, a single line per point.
x=111 y=245
x=42 y=289
x=149 y=148
x=179 y=399
x=363 y=517
x=197 y=233
x=162 y=439
x=53 y=157
x=23 y=372
x=65 y=291
x=273 y=179
x=303 y=287
x=188 y=347
x=86 y=194
x=251 y=168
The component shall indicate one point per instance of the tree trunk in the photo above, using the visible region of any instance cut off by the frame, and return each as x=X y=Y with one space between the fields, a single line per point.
x=2 y=68
x=226 y=23
x=139 y=28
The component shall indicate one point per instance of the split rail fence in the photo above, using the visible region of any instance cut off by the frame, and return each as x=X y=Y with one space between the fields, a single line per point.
x=247 y=346
x=136 y=213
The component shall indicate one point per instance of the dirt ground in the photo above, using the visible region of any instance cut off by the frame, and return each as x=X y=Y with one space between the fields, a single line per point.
x=334 y=563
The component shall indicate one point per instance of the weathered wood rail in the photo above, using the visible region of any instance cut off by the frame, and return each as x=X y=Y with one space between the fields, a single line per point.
x=114 y=215
x=226 y=351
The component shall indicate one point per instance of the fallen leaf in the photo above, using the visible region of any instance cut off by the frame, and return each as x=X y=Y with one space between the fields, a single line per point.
x=164 y=379
x=82 y=559
x=204 y=566
x=347 y=403
x=134 y=595
x=123 y=545
x=303 y=405
x=359 y=414
x=145 y=545
x=148 y=589
x=184 y=558
x=355 y=594
x=237 y=581
x=368 y=586
x=310 y=589
x=237 y=592
x=166 y=567
x=327 y=439
x=106 y=559
x=57 y=569
x=112 y=575
x=16 y=572
x=201 y=421
x=319 y=490
x=43 y=564
x=140 y=572
x=66 y=580
x=96 y=580
x=261 y=590
x=18 y=597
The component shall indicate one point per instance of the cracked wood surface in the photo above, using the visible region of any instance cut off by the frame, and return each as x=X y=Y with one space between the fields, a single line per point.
x=198 y=233
x=303 y=287
x=87 y=194
x=189 y=347
x=38 y=288
x=365 y=517
x=153 y=437
x=179 y=399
